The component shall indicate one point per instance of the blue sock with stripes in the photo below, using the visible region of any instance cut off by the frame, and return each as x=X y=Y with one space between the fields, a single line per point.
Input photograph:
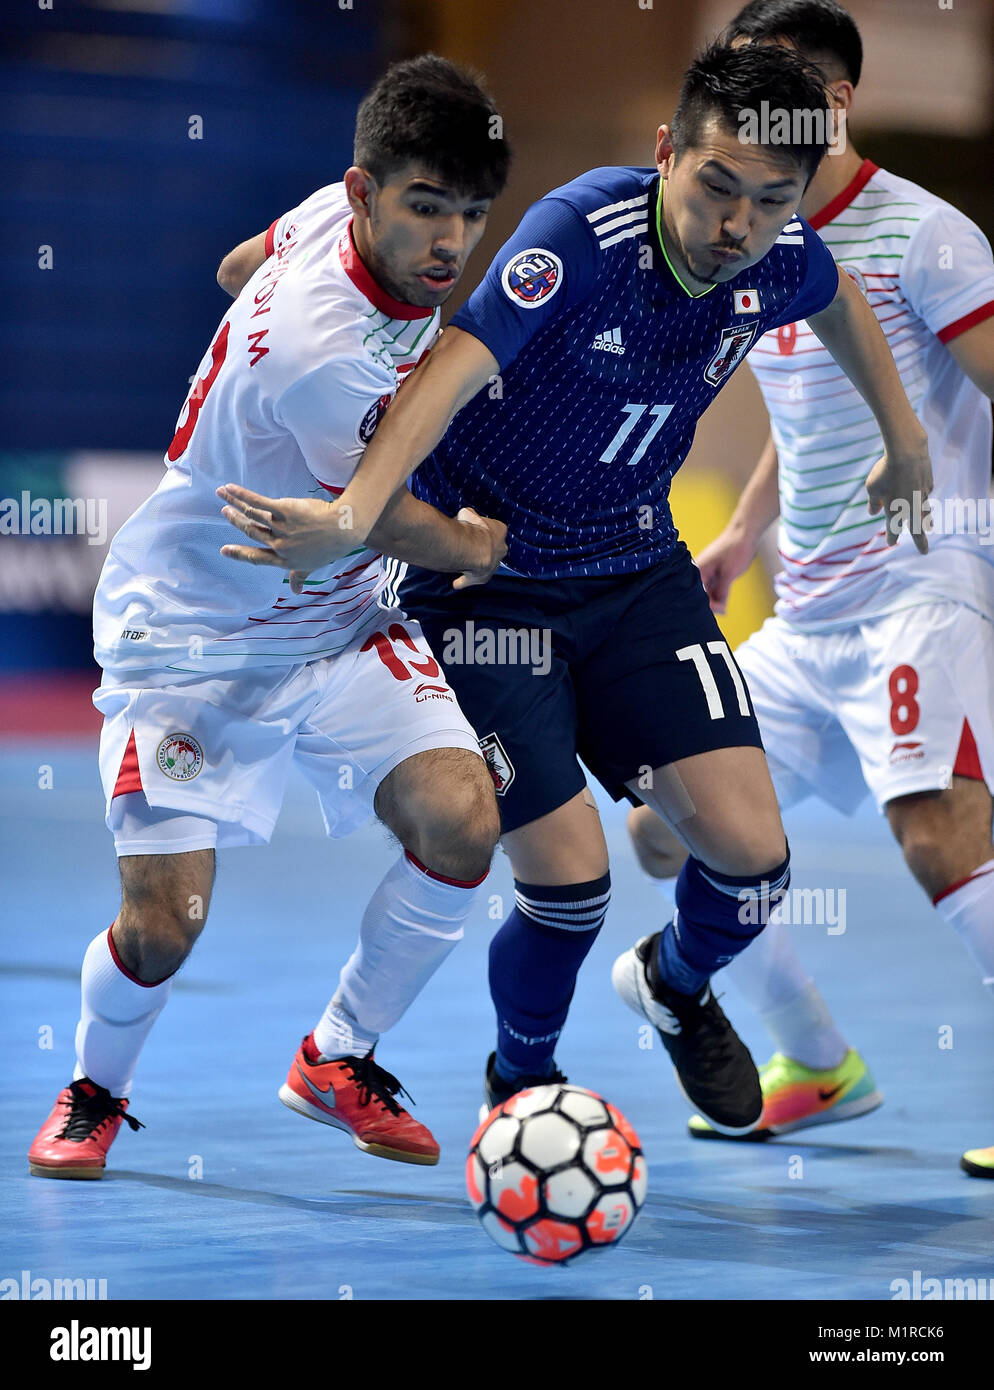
x=534 y=960
x=716 y=917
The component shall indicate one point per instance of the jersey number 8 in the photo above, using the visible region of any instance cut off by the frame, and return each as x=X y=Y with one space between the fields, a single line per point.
x=198 y=394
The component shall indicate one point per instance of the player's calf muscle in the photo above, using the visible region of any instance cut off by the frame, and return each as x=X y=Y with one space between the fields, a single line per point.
x=164 y=903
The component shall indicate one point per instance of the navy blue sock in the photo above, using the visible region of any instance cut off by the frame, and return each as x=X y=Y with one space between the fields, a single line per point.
x=534 y=960
x=716 y=917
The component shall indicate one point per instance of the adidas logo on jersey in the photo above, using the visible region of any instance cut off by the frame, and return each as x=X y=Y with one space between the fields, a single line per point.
x=609 y=341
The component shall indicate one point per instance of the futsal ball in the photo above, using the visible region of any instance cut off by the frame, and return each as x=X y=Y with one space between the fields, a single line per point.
x=554 y=1172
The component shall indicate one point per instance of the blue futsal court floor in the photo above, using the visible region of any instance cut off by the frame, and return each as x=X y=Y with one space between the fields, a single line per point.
x=229 y=1195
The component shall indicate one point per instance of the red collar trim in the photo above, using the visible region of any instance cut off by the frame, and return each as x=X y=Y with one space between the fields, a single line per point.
x=355 y=269
x=842 y=200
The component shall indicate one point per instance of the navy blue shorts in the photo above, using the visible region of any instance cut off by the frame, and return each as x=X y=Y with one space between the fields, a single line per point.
x=626 y=672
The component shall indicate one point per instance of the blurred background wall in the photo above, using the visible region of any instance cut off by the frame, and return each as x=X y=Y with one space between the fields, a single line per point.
x=141 y=139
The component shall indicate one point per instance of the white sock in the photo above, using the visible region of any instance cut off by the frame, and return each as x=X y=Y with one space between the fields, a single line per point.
x=116 y=1017
x=969 y=909
x=773 y=980
x=410 y=925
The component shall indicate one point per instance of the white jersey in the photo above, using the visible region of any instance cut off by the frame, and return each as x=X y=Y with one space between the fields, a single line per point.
x=286 y=398
x=928 y=275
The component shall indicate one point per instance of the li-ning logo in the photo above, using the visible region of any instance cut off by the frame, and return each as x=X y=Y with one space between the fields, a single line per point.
x=427 y=691
x=906 y=751
x=609 y=341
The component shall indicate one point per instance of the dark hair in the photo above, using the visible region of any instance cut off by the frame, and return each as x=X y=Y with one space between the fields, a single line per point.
x=730 y=83
x=821 y=30
x=429 y=112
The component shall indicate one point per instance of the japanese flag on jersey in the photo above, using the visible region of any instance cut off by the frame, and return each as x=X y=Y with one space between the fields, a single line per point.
x=285 y=400
x=746 y=301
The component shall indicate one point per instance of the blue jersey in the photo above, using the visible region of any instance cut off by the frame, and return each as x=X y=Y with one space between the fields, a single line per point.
x=606 y=364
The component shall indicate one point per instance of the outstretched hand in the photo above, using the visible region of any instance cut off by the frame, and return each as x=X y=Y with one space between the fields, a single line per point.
x=298 y=534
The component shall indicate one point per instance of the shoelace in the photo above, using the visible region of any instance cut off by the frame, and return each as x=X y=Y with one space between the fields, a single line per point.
x=88 y=1113
x=375 y=1084
x=709 y=1016
x=713 y=1029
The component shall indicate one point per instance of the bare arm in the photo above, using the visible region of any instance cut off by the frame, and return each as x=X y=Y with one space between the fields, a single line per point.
x=732 y=552
x=450 y=376
x=411 y=530
x=974 y=351
x=419 y=415
x=848 y=328
x=760 y=500
x=239 y=265
x=468 y=545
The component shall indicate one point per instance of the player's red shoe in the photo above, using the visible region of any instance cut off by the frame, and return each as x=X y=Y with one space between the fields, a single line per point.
x=357 y=1095
x=73 y=1141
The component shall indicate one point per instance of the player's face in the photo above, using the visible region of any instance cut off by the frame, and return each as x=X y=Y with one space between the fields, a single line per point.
x=725 y=202
x=418 y=235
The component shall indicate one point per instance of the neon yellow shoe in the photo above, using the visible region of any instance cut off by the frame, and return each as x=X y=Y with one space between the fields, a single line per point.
x=979 y=1163
x=795 y=1097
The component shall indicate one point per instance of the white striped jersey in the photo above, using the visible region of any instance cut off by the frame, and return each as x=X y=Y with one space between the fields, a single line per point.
x=284 y=402
x=928 y=275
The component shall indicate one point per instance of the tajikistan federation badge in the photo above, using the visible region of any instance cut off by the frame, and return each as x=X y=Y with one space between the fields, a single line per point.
x=180 y=757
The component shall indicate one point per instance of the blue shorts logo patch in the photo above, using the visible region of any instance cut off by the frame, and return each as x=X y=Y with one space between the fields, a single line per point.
x=499 y=765
x=532 y=277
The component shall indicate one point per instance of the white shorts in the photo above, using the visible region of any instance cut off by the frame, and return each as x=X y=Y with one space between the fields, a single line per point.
x=211 y=757
x=878 y=706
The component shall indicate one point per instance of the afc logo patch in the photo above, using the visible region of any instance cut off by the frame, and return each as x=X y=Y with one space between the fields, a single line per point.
x=532 y=277
x=372 y=418
x=499 y=765
x=732 y=347
x=180 y=757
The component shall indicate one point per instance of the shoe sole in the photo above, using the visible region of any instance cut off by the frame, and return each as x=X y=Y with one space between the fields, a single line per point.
x=850 y=1110
x=290 y=1099
x=44 y=1170
x=975 y=1170
x=625 y=976
x=755 y=1136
